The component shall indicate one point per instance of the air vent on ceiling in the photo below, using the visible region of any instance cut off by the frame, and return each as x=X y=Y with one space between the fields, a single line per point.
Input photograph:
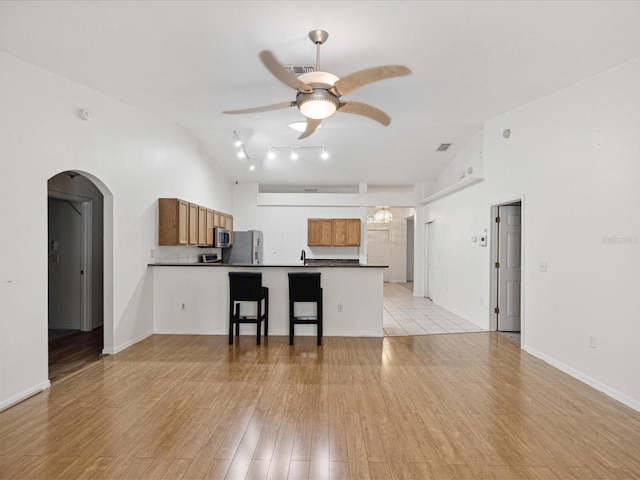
x=299 y=69
x=443 y=147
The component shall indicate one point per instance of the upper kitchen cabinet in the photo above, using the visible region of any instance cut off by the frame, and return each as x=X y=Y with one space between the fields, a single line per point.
x=184 y=223
x=319 y=232
x=173 y=221
x=209 y=226
x=193 y=224
x=346 y=232
x=333 y=232
x=202 y=225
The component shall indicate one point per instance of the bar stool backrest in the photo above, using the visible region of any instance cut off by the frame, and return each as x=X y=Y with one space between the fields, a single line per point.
x=245 y=286
x=305 y=287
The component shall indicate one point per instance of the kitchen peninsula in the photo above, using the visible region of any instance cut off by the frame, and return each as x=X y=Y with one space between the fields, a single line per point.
x=193 y=298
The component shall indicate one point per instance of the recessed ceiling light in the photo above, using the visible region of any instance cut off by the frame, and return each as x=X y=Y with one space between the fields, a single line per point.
x=300 y=126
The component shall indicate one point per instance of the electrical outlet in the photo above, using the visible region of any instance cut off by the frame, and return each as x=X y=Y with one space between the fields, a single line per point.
x=592 y=341
x=152 y=253
x=340 y=307
x=183 y=306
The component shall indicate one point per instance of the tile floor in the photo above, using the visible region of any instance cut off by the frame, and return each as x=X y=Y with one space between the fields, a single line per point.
x=405 y=314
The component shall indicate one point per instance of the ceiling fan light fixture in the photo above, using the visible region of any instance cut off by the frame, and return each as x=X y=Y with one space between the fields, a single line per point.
x=319 y=79
x=300 y=126
x=318 y=104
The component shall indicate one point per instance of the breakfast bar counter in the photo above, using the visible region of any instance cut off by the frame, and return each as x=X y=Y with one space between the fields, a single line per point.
x=193 y=298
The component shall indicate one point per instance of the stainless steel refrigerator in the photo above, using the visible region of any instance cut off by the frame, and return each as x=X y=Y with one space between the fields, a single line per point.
x=247 y=248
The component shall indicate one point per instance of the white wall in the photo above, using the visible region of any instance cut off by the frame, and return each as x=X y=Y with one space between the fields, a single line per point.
x=132 y=156
x=574 y=159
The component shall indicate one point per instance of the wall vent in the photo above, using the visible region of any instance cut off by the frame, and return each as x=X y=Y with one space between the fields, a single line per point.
x=310 y=190
x=443 y=147
x=298 y=70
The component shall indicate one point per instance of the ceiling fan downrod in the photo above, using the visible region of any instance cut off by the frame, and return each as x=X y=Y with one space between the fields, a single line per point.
x=318 y=37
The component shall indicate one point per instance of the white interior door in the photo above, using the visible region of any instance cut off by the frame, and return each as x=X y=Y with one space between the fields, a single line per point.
x=378 y=249
x=65 y=264
x=509 y=249
x=430 y=255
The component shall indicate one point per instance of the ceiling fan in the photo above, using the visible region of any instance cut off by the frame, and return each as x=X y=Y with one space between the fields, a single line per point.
x=319 y=94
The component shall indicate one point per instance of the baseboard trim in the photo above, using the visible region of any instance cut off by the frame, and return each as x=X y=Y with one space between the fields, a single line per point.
x=124 y=346
x=592 y=382
x=22 y=396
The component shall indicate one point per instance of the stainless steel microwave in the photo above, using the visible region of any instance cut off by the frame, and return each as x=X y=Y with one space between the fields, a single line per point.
x=221 y=237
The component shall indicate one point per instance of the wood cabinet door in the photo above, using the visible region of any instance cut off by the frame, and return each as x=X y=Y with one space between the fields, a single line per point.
x=353 y=232
x=346 y=232
x=209 y=227
x=319 y=232
x=193 y=224
x=223 y=220
x=216 y=219
x=339 y=232
x=202 y=225
x=183 y=222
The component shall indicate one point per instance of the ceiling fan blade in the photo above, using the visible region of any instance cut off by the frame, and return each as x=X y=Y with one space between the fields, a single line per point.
x=359 y=79
x=359 y=108
x=312 y=125
x=277 y=70
x=266 y=108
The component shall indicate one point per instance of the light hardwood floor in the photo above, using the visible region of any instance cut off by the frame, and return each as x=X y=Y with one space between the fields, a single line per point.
x=469 y=405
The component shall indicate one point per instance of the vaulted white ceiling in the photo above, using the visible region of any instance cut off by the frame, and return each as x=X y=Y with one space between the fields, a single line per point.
x=188 y=61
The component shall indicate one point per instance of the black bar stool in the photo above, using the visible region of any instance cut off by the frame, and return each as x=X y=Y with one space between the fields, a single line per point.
x=247 y=287
x=305 y=287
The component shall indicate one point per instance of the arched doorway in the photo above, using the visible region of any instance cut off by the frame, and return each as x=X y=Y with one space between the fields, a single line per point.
x=79 y=271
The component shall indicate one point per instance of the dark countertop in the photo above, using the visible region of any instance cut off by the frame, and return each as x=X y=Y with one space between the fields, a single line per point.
x=270 y=265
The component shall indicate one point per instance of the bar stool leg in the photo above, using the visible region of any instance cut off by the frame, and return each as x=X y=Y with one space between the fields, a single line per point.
x=266 y=314
x=290 y=322
x=258 y=322
x=319 y=312
x=231 y=317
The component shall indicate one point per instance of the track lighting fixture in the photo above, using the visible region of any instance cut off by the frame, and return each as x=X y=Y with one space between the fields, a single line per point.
x=294 y=151
x=242 y=152
x=237 y=143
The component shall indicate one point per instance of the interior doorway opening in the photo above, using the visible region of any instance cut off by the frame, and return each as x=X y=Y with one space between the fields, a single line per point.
x=387 y=241
x=75 y=247
x=506 y=272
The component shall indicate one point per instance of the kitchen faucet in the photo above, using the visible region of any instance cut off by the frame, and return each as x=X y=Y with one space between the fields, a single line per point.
x=303 y=257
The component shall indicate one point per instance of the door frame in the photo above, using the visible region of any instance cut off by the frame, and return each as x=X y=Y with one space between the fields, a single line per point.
x=86 y=281
x=494 y=253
